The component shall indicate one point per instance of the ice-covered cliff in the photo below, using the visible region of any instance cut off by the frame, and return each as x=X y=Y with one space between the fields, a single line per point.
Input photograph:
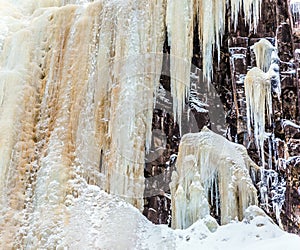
x=78 y=84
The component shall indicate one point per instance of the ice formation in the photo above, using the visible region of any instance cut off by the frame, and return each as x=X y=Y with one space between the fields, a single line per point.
x=77 y=88
x=295 y=10
x=258 y=99
x=263 y=52
x=209 y=167
x=181 y=19
x=260 y=82
x=180 y=25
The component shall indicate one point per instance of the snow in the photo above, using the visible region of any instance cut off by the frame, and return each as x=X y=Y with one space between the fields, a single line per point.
x=97 y=220
x=289 y=123
x=107 y=222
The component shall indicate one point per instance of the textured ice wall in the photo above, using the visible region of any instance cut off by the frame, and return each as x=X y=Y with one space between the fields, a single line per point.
x=77 y=91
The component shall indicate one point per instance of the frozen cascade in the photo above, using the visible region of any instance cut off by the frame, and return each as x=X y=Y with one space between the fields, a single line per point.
x=206 y=158
x=70 y=78
x=77 y=88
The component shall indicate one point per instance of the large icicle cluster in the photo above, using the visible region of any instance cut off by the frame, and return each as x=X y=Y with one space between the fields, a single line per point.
x=209 y=167
x=180 y=25
x=211 y=15
x=260 y=83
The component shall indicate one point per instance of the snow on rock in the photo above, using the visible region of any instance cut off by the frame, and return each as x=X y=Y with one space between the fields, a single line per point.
x=209 y=167
x=286 y=123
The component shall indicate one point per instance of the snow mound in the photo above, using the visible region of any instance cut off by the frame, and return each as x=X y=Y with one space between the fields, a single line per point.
x=100 y=221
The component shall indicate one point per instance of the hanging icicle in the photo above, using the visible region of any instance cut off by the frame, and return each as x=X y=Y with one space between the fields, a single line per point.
x=180 y=25
x=260 y=82
x=181 y=20
x=258 y=99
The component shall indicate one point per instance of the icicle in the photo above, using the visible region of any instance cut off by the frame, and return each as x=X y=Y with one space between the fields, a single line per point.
x=270 y=146
x=198 y=206
x=181 y=15
x=180 y=24
x=205 y=160
x=258 y=90
x=251 y=9
x=295 y=10
x=258 y=99
x=211 y=15
x=217 y=196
